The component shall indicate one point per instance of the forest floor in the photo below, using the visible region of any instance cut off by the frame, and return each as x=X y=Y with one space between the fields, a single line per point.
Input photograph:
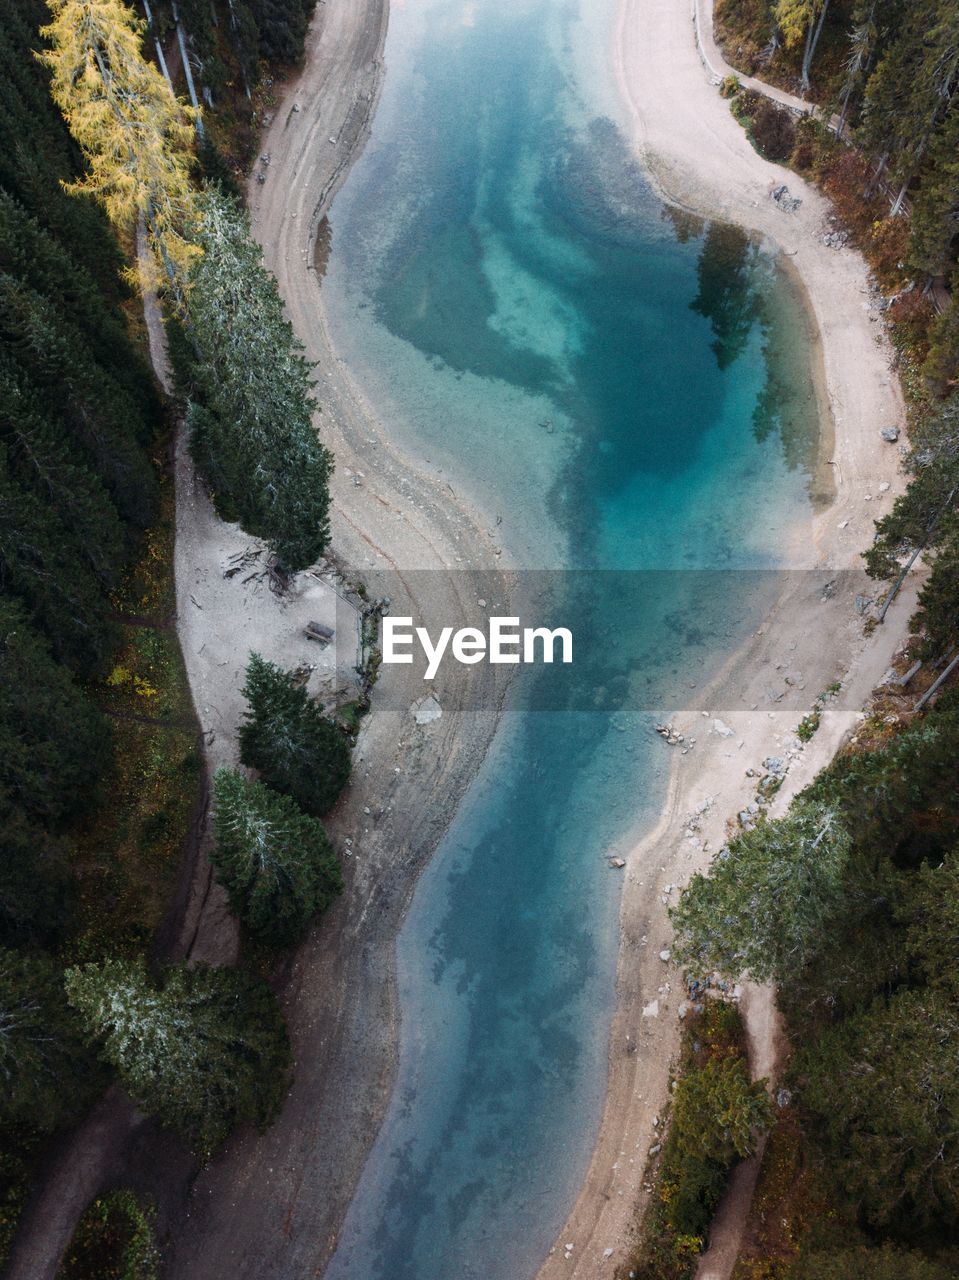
x=701 y=160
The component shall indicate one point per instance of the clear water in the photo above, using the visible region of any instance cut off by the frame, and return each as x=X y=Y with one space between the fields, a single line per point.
x=630 y=392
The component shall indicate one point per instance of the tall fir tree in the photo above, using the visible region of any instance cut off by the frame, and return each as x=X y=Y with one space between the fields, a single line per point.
x=289 y=741
x=253 y=433
x=138 y=139
x=47 y=1071
x=275 y=862
x=203 y=1049
x=764 y=907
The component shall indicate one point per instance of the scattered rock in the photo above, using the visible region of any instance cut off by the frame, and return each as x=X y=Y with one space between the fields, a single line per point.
x=890 y=434
x=617 y=863
x=651 y=1010
x=664 y=956
x=885 y=486
x=774 y=764
x=786 y=202
x=722 y=729
x=426 y=710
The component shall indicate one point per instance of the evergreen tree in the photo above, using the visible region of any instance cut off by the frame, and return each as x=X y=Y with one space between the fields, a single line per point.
x=137 y=138
x=203 y=1049
x=884 y=1088
x=910 y=92
x=253 y=434
x=926 y=519
x=718 y=1111
x=36 y=888
x=38 y=564
x=53 y=742
x=767 y=900
x=941 y=367
x=275 y=862
x=888 y=1262
x=47 y=1071
x=288 y=740
x=282 y=25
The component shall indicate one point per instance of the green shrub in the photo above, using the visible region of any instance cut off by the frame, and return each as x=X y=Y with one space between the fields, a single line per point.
x=115 y=1239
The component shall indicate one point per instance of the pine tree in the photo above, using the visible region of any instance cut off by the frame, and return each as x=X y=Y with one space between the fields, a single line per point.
x=910 y=92
x=53 y=742
x=36 y=886
x=253 y=433
x=275 y=862
x=137 y=138
x=282 y=25
x=203 y=1049
x=47 y=1072
x=884 y=1088
x=765 y=905
x=718 y=1112
x=286 y=737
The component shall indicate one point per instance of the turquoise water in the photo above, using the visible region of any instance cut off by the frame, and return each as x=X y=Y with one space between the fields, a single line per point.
x=628 y=391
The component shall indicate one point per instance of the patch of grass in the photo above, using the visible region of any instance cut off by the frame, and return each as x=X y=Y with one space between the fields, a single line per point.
x=808 y=725
x=115 y=1239
x=128 y=851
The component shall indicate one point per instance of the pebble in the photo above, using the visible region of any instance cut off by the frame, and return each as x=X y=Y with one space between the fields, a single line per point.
x=664 y=956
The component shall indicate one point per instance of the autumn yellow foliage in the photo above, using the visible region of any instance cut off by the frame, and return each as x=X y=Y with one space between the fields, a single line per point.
x=137 y=137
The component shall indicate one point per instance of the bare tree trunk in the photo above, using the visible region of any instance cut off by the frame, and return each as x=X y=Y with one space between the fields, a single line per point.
x=188 y=72
x=159 y=48
x=876 y=177
x=897 y=206
x=812 y=39
x=233 y=24
x=937 y=683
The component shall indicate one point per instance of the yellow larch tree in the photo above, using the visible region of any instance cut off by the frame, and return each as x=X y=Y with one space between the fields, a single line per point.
x=137 y=137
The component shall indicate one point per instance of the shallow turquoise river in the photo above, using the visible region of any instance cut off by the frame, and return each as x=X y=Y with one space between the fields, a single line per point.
x=629 y=392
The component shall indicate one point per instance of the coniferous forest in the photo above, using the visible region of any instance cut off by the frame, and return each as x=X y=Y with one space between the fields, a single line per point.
x=94 y=804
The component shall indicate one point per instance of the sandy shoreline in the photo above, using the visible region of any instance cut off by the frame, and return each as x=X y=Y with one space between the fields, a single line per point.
x=699 y=158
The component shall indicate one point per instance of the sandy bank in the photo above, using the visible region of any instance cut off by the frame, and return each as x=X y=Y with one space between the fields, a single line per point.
x=700 y=159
